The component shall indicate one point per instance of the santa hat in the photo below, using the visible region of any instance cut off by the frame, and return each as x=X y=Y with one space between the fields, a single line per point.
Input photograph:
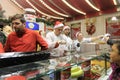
x=66 y=27
x=58 y=24
x=16 y=77
x=77 y=33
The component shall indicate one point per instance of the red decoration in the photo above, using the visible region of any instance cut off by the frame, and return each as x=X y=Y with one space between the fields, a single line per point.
x=113 y=27
x=90 y=29
x=90 y=26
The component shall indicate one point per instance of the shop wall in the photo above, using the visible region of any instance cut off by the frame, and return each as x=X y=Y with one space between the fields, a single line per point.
x=10 y=8
x=100 y=24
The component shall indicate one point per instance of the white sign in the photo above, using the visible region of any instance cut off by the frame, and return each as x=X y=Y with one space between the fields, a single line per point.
x=30 y=17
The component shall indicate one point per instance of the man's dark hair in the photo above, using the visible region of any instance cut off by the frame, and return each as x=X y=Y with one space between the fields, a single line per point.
x=2 y=24
x=18 y=16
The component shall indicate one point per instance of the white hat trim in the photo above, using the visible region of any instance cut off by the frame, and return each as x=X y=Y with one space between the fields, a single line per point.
x=59 y=25
x=66 y=27
x=77 y=34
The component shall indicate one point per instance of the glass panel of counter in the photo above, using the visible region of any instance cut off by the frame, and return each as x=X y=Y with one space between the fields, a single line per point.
x=16 y=58
x=38 y=69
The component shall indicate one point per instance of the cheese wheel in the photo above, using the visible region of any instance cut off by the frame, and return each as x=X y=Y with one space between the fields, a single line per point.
x=77 y=74
x=75 y=69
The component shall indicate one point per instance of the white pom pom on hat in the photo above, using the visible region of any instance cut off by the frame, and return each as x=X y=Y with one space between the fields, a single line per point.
x=58 y=24
x=66 y=27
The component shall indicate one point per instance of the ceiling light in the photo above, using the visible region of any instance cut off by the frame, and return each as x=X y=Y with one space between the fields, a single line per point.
x=43 y=12
x=53 y=9
x=29 y=10
x=52 y=2
x=115 y=2
x=90 y=4
x=81 y=12
x=114 y=18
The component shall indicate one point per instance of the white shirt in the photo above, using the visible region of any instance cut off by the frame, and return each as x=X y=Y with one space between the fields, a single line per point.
x=69 y=42
x=86 y=40
x=51 y=38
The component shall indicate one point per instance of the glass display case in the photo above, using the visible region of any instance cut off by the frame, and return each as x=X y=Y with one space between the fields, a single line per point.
x=75 y=66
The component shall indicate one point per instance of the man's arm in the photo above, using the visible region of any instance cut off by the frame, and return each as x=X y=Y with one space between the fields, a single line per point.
x=96 y=38
x=42 y=42
x=7 y=45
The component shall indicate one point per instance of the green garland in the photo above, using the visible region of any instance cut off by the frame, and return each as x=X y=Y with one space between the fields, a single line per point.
x=44 y=21
x=6 y=21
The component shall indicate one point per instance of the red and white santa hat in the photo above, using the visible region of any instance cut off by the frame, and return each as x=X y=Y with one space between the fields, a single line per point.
x=77 y=33
x=16 y=77
x=66 y=27
x=58 y=24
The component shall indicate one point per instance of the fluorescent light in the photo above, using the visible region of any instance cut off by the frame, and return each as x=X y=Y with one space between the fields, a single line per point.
x=42 y=12
x=17 y=4
x=53 y=9
x=81 y=12
x=114 y=18
x=90 y=4
x=115 y=2
x=30 y=10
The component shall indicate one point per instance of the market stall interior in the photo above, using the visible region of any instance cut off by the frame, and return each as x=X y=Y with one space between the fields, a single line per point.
x=91 y=63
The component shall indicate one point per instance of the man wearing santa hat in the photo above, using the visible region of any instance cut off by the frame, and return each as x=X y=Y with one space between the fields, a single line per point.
x=1 y=48
x=81 y=39
x=66 y=32
x=56 y=40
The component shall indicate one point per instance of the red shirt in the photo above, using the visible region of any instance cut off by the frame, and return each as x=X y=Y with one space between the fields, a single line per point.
x=25 y=43
x=1 y=48
x=16 y=77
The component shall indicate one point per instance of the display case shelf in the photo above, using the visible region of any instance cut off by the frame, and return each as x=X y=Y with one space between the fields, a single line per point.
x=39 y=68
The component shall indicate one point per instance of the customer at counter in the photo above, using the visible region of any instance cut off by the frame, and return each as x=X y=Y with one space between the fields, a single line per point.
x=115 y=59
x=23 y=39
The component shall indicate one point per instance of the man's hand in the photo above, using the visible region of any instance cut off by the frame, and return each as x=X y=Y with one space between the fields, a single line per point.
x=62 y=42
x=56 y=45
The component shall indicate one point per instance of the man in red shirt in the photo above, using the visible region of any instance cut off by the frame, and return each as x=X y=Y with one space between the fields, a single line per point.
x=1 y=48
x=23 y=39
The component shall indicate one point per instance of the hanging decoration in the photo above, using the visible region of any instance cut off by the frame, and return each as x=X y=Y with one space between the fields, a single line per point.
x=90 y=26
